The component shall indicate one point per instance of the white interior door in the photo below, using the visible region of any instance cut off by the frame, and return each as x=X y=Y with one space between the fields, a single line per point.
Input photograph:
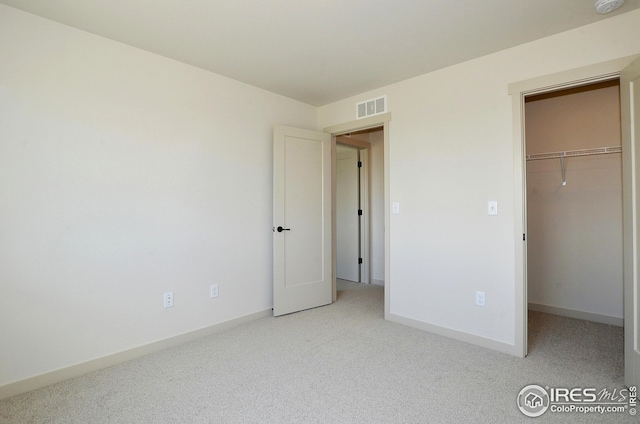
x=347 y=222
x=302 y=263
x=630 y=108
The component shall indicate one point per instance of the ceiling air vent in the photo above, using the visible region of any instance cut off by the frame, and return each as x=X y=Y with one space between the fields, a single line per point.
x=371 y=107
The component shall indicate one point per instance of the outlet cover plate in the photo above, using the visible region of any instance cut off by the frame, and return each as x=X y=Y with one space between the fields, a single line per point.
x=168 y=300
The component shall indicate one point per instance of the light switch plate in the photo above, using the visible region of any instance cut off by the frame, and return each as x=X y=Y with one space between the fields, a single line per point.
x=396 y=208
x=492 y=207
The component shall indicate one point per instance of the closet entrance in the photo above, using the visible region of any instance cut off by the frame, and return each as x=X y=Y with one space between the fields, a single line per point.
x=574 y=202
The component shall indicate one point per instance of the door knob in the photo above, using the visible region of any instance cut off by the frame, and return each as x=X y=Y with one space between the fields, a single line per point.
x=280 y=229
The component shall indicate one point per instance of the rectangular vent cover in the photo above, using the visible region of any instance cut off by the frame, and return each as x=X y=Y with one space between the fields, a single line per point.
x=371 y=107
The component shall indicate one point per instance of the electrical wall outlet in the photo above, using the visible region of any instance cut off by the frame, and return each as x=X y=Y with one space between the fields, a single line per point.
x=214 y=291
x=480 y=298
x=168 y=300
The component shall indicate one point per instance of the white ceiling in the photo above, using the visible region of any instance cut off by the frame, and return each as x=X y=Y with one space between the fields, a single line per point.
x=319 y=51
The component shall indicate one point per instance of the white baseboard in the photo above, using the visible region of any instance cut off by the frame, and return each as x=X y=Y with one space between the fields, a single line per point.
x=456 y=335
x=377 y=282
x=72 y=371
x=573 y=313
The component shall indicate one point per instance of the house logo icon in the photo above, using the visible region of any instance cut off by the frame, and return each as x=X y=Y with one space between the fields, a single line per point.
x=533 y=400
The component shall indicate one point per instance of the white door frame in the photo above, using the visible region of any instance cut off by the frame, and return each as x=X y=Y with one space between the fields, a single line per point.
x=381 y=120
x=573 y=78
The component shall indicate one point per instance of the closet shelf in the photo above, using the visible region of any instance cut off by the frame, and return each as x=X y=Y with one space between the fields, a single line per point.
x=571 y=154
x=574 y=153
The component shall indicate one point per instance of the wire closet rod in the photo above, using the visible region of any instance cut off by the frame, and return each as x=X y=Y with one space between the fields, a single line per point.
x=574 y=153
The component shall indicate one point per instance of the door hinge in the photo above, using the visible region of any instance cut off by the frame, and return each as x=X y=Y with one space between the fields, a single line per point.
x=523 y=237
x=359 y=164
x=359 y=261
x=359 y=212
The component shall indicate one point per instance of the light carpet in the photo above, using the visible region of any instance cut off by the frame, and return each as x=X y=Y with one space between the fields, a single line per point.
x=341 y=363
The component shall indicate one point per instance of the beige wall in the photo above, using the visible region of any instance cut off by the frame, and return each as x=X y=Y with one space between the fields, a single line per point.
x=115 y=171
x=579 y=118
x=575 y=231
x=451 y=149
x=124 y=175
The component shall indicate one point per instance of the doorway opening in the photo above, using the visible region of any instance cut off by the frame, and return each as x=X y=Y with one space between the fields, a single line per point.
x=359 y=206
x=627 y=71
x=378 y=127
x=574 y=206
